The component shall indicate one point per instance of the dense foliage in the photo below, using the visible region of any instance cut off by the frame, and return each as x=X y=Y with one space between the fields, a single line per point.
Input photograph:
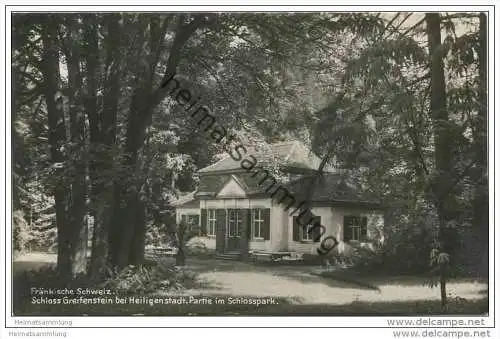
x=98 y=141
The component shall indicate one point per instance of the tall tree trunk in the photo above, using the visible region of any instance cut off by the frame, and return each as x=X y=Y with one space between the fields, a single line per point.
x=101 y=193
x=57 y=142
x=78 y=207
x=481 y=208
x=123 y=219
x=125 y=222
x=131 y=221
x=441 y=136
x=136 y=255
x=17 y=142
x=127 y=225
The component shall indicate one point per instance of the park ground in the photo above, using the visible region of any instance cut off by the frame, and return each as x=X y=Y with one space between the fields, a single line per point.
x=295 y=289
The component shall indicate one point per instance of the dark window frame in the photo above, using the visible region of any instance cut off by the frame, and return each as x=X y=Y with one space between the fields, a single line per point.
x=234 y=223
x=211 y=222
x=358 y=228
x=258 y=223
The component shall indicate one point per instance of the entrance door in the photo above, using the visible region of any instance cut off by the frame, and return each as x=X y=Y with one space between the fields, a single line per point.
x=234 y=229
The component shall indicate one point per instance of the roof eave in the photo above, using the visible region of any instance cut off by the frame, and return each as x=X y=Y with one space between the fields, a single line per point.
x=356 y=203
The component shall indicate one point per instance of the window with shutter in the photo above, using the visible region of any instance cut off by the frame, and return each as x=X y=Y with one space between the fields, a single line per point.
x=317 y=229
x=184 y=219
x=305 y=235
x=220 y=230
x=248 y=224
x=311 y=232
x=191 y=221
x=258 y=226
x=235 y=222
x=364 y=228
x=203 y=223
x=194 y=220
x=296 y=229
x=355 y=228
x=211 y=222
x=347 y=228
x=194 y=223
x=266 y=216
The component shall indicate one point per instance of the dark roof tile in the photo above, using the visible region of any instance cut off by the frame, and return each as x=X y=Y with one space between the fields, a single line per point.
x=290 y=153
x=331 y=188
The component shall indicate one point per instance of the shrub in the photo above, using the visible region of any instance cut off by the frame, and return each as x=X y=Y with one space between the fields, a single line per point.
x=144 y=279
x=199 y=249
x=21 y=232
x=44 y=277
x=131 y=279
x=359 y=258
x=180 y=234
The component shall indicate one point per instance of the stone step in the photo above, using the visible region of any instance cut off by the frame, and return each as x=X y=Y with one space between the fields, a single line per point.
x=228 y=256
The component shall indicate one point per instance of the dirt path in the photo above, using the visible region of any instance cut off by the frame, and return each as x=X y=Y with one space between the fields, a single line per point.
x=33 y=261
x=306 y=289
x=295 y=283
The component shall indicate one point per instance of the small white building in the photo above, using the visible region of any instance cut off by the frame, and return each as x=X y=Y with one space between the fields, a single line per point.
x=236 y=211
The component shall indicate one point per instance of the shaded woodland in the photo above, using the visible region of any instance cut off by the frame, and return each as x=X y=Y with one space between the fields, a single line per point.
x=100 y=150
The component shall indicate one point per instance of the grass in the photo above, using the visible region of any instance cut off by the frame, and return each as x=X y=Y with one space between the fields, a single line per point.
x=294 y=289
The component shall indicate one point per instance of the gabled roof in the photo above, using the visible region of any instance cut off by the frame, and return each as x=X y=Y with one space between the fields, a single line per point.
x=239 y=186
x=212 y=183
x=184 y=199
x=289 y=154
x=331 y=188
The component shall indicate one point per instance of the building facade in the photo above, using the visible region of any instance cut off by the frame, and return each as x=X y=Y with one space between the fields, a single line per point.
x=235 y=211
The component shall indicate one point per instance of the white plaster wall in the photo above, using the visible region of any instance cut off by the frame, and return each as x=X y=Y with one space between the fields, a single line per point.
x=276 y=228
x=278 y=231
x=327 y=219
x=375 y=224
x=333 y=220
x=281 y=223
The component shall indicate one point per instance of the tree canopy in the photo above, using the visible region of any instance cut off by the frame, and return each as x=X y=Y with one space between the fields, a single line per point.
x=399 y=100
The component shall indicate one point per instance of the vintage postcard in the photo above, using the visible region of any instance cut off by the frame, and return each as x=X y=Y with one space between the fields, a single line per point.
x=173 y=163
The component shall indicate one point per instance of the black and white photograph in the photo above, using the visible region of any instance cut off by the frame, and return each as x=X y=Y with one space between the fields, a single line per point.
x=259 y=162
